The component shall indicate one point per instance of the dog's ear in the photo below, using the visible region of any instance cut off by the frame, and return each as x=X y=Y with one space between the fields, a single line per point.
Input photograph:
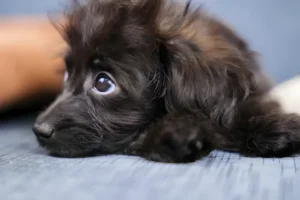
x=187 y=82
x=210 y=80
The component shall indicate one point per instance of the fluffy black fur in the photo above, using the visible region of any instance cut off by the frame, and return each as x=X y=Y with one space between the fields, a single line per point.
x=186 y=84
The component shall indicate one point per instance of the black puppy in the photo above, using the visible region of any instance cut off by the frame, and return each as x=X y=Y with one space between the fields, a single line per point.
x=160 y=80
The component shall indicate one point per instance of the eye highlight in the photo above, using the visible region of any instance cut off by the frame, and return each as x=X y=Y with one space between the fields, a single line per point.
x=66 y=76
x=104 y=84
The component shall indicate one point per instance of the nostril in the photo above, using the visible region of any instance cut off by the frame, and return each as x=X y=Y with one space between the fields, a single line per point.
x=43 y=130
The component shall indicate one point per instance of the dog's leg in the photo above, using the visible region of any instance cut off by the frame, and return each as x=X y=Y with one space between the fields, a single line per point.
x=179 y=138
x=266 y=131
x=261 y=130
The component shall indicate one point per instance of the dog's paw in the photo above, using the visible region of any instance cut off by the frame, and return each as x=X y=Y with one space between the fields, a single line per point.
x=274 y=136
x=176 y=139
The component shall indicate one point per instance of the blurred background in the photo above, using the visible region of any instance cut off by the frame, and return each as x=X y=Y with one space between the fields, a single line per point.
x=271 y=27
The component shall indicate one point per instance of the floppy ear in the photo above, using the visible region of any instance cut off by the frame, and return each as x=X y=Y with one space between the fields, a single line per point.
x=198 y=83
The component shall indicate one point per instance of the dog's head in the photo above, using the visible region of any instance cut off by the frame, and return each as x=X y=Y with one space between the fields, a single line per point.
x=113 y=80
x=131 y=61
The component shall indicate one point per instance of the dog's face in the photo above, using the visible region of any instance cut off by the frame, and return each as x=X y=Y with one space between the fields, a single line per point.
x=111 y=84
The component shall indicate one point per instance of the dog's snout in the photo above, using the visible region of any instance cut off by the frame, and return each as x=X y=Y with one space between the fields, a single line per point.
x=43 y=130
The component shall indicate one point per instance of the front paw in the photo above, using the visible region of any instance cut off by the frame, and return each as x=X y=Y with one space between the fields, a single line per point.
x=274 y=136
x=176 y=139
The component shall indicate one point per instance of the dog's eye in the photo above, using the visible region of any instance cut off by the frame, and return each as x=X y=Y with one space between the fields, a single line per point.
x=104 y=84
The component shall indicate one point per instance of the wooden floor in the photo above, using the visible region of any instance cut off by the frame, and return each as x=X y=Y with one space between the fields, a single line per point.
x=27 y=172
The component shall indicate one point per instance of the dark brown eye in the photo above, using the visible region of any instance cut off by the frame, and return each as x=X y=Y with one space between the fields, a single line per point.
x=104 y=84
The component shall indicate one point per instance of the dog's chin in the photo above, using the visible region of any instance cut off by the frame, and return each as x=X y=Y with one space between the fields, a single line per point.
x=67 y=153
x=59 y=149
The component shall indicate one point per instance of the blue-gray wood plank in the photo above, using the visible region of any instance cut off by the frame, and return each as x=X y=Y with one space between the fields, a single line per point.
x=28 y=173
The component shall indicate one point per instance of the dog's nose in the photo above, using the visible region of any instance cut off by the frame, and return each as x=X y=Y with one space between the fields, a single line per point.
x=43 y=130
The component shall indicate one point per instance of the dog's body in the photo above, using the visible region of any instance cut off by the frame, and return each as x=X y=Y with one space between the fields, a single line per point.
x=156 y=79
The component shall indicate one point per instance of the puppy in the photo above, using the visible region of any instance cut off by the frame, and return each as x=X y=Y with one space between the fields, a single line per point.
x=158 y=79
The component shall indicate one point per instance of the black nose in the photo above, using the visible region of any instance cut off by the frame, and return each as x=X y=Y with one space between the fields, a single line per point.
x=43 y=130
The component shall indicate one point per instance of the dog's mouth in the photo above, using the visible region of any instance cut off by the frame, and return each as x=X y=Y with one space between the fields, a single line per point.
x=63 y=145
x=58 y=148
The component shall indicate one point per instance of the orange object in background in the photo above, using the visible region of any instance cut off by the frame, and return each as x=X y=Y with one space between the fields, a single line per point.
x=31 y=60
